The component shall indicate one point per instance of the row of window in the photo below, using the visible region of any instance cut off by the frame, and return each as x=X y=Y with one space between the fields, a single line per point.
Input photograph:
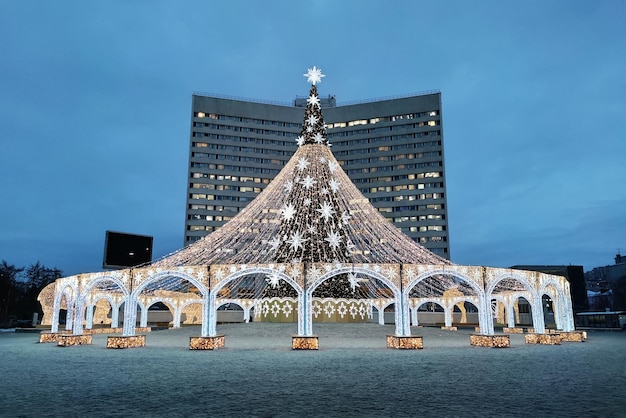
x=418 y=186
x=197 y=134
x=244 y=139
x=291 y=144
x=219 y=197
x=422 y=196
x=396 y=147
x=240 y=129
x=200 y=228
x=424 y=240
x=410 y=156
x=211 y=186
x=258 y=180
x=235 y=148
x=398 y=167
x=195 y=206
x=234 y=168
x=394 y=118
x=237 y=158
x=432 y=206
x=243 y=179
x=387 y=129
x=214 y=116
x=401 y=177
x=421 y=240
x=210 y=218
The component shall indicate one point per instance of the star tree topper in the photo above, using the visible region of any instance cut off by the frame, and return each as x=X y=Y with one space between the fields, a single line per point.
x=314 y=75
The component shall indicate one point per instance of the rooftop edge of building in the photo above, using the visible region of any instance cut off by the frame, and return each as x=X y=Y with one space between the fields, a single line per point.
x=331 y=99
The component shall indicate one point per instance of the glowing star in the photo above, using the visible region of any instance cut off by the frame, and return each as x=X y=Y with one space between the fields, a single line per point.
x=303 y=163
x=275 y=243
x=308 y=182
x=332 y=166
x=306 y=202
x=309 y=129
x=334 y=185
x=354 y=281
x=345 y=217
x=311 y=120
x=311 y=229
x=300 y=140
x=323 y=160
x=273 y=280
x=288 y=185
x=324 y=191
x=326 y=211
x=333 y=239
x=288 y=211
x=318 y=138
x=313 y=101
x=296 y=240
x=314 y=75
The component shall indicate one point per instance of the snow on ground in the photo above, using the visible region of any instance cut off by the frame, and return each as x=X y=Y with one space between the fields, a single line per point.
x=353 y=374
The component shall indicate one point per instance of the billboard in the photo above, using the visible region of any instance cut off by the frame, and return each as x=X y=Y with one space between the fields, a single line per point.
x=122 y=250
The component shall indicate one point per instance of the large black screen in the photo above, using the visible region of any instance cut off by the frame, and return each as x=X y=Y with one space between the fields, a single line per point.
x=123 y=250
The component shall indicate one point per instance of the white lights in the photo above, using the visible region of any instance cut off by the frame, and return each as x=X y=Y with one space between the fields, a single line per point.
x=311 y=213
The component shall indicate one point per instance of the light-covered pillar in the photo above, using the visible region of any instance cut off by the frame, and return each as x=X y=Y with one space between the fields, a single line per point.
x=130 y=316
x=177 y=314
x=70 y=315
x=485 y=316
x=143 y=321
x=414 y=319
x=447 y=314
x=204 y=332
x=115 y=315
x=89 y=319
x=510 y=315
x=55 y=316
x=212 y=316
x=78 y=316
x=403 y=326
x=536 y=307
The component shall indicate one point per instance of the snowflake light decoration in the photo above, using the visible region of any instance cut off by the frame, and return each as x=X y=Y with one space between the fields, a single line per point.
x=273 y=280
x=288 y=211
x=303 y=163
x=313 y=101
x=326 y=211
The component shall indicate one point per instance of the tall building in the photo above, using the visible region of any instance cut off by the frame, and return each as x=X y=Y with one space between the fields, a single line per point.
x=392 y=149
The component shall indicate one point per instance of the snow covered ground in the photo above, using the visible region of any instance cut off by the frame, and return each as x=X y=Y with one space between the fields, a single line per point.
x=353 y=374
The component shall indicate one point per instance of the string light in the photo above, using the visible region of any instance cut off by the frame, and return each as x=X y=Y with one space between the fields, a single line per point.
x=311 y=220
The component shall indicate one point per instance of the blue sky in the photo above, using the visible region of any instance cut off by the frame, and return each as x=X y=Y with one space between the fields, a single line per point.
x=95 y=102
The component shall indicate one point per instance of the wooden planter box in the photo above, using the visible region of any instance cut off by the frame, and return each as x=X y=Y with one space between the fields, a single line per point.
x=207 y=343
x=493 y=341
x=301 y=342
x=126 y=341
x=407 y=342
x=68 y=340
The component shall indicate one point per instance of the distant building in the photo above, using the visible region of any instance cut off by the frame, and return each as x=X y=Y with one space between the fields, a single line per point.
x=392 y=149
x=575 y=276
x=604 y=277
x=607 y=285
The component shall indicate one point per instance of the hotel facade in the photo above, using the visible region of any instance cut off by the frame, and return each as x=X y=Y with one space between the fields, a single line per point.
x=392 y=149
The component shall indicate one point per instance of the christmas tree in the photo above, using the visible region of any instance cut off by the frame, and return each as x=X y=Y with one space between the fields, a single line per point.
x=310 y=213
